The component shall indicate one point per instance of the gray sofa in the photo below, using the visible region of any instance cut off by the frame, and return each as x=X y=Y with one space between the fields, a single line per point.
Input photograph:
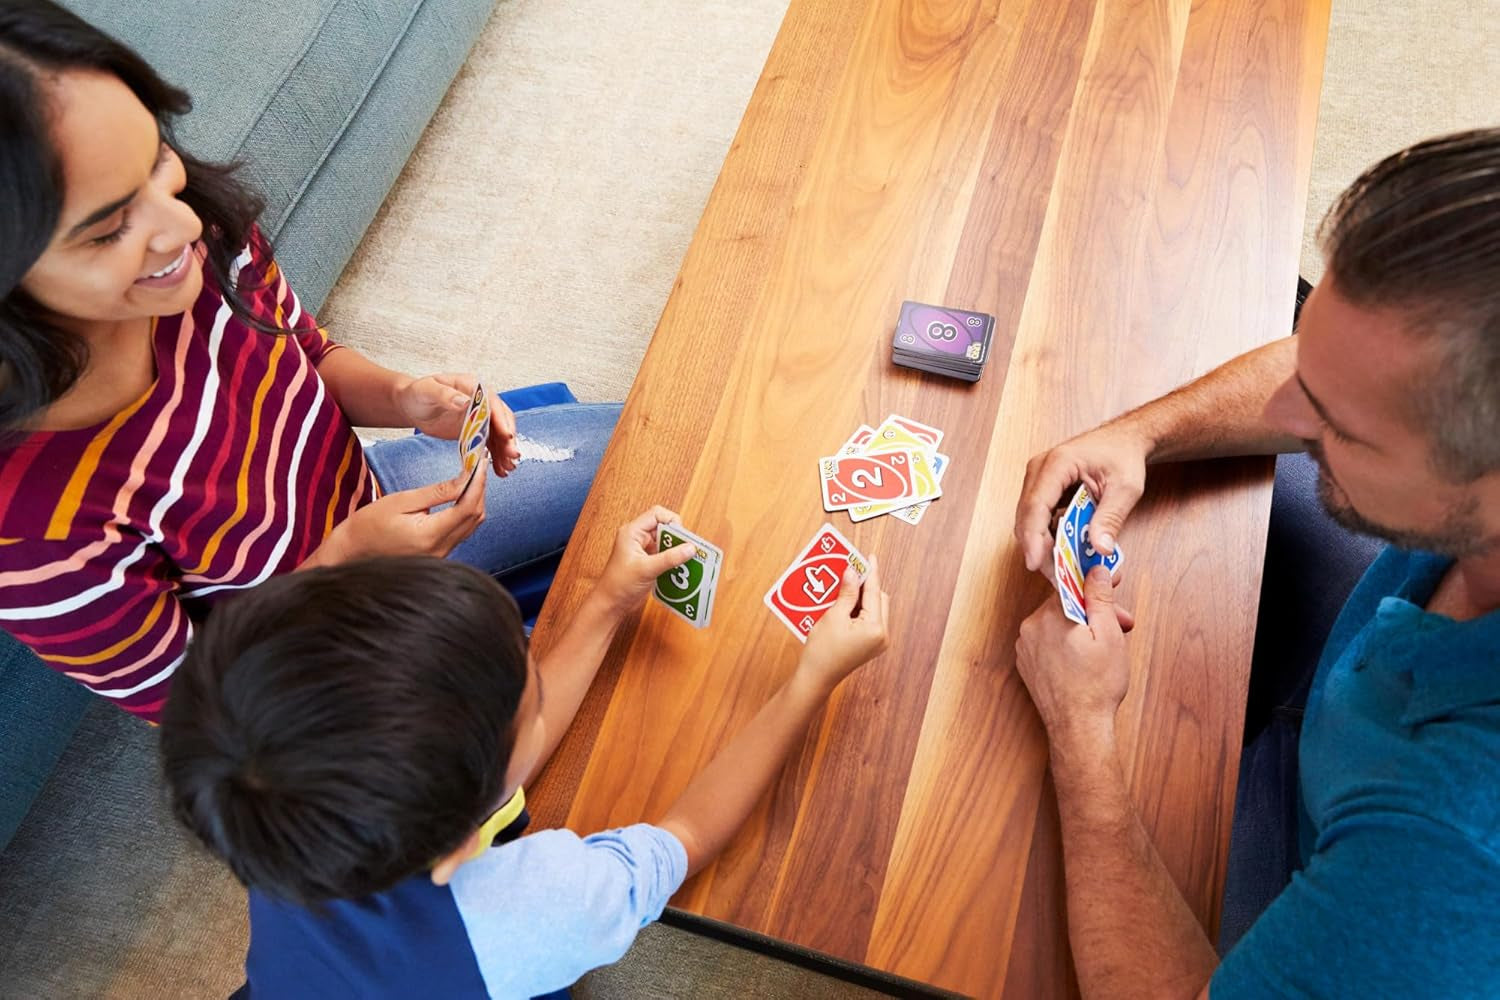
x=323 y=100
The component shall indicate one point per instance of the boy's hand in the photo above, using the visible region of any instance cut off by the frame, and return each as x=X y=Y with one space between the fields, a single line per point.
x=635 y=564
x=843 y=640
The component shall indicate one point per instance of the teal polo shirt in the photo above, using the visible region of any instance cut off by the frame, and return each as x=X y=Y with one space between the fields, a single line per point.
x=1399 y=892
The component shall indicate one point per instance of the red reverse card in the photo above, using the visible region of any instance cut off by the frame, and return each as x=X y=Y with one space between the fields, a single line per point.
x=874 y=477
x=811 y=583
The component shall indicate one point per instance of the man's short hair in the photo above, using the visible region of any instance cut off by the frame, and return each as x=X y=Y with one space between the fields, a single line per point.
x=337 y=730
x=1419 y=234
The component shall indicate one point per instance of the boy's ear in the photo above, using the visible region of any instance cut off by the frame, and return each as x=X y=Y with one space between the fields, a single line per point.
x=443 y=871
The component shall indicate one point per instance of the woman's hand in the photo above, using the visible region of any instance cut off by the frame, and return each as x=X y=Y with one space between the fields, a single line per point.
x=404 y=524
x=436 y=405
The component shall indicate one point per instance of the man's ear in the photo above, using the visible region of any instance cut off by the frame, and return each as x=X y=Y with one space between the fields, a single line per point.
x=443 y=871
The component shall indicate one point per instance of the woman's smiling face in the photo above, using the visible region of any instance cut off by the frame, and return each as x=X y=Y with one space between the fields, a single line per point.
x=125 y=246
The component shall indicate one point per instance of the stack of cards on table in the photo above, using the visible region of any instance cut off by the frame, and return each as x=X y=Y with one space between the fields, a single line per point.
x=1073 y=555
x=810 y=585
x=891 y=469
x=688 y=591
x=944 y=341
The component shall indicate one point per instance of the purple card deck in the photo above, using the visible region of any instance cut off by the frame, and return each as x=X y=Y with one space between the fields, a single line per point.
x=943 y=340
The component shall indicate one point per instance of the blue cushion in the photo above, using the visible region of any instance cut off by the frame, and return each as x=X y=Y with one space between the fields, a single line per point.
x=323 y=100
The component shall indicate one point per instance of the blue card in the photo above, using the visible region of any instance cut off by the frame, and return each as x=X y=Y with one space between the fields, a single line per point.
x=1075 y=526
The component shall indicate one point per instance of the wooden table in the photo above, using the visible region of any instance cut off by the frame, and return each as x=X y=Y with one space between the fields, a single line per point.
x=1122 y=184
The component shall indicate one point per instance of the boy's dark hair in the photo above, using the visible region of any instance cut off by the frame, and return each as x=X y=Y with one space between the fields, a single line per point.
x=1419 y=233
x=336 y=730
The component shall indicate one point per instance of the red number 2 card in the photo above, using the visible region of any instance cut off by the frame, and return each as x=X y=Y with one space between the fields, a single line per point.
x=810 y=584
x=875 y=477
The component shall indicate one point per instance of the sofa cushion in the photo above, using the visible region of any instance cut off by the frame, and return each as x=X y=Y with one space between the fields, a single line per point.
x=279 y=98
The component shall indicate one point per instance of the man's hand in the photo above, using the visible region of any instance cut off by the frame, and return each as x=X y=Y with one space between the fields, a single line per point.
x=1077 y=674
x=436 y=405
x=403 y=524
x=1110 y=460
x=635 y=563
x=842 y=639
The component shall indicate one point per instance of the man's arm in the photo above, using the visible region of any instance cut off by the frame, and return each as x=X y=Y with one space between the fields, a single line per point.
x=1133 y=934
x=1221 y=414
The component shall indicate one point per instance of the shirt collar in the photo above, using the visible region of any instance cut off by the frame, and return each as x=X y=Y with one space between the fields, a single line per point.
x=1454 y=665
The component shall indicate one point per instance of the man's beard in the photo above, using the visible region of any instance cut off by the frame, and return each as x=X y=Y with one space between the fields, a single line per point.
x=1459 y=534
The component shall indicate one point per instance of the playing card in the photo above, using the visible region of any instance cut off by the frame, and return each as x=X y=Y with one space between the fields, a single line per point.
x=913 y=514
x=947 y=335
x=857 y=440
x=924 y=486
x=1068 y=590
x=901 y=474
x=808 y=588
x=1076 y=523
x=925 y=433
x=474 y=436
x=688 y=591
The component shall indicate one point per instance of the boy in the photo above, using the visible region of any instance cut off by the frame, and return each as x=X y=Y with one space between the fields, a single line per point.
x=340 y=737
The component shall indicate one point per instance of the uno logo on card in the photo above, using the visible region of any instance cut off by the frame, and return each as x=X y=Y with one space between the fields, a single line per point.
x=938 y=330
x=813 y=585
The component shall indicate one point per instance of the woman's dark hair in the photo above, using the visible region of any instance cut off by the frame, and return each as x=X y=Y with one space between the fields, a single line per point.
x=39 y=360
x=335 y=731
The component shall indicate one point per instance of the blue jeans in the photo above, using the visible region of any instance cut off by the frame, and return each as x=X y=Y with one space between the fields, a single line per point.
x=530 y=513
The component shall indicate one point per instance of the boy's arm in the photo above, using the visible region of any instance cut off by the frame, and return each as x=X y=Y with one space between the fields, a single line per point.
x=716 y=802
x=569 y=667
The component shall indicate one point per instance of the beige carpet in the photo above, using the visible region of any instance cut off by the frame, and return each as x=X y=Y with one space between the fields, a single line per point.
x=535 y=236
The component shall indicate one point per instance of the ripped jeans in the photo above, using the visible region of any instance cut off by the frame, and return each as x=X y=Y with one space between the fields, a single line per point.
x=530 y=513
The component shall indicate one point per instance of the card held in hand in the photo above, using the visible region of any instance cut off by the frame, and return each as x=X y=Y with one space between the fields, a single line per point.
x=688 y=591
x=810 y=585
x=474 y=436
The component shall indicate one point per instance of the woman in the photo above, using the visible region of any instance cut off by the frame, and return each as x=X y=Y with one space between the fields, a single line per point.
x=175 y=426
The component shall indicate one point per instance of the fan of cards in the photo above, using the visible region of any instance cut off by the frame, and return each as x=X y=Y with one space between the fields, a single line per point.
x=801 y=596
x=1073 y=555
x=944 y=341
x=891 y=469
x=474 y=437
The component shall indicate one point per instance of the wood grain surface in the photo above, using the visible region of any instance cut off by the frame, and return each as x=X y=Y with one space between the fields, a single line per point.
x=1122 y=185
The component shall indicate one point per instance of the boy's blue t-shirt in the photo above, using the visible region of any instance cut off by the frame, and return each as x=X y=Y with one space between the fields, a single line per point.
x=1399 y=893
x=523 y=919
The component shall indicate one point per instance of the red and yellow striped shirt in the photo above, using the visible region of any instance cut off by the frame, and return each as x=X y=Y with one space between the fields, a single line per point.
x=234 y=466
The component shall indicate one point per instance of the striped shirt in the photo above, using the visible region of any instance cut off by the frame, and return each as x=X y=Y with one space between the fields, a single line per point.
x=233 y=466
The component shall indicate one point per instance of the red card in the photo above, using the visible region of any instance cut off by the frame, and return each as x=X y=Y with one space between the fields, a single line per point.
x=876 y=477
x=810 y=584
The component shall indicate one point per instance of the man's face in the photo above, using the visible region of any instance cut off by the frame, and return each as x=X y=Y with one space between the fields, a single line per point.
x=1349 y=402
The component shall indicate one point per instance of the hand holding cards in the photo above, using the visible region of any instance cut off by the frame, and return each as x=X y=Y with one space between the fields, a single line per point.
x=688 y=591
x=1073 y=555
x=810 y=585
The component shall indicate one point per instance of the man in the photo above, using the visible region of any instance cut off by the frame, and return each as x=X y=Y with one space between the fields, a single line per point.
x=1392 y=385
